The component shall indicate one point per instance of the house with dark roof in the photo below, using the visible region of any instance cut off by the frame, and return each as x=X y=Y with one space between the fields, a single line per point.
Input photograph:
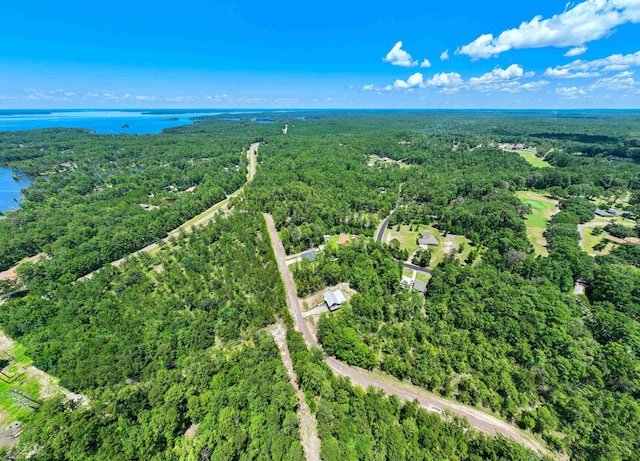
x=419 y=285
x=603 y=213
x=334 y=299
x=428 y=239
x=309 y=255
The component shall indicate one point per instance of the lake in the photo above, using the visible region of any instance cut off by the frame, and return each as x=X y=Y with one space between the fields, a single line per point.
x=10 y=189
x=100 y=121
x=103 y=121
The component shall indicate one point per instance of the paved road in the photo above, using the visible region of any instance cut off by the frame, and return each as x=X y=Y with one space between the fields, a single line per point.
x=204 y=217
x=379 y=236
x=478 y=419
x=413 y=267
x=383 y=227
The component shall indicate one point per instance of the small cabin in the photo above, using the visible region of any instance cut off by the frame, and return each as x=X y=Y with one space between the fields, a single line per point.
x=334 y=299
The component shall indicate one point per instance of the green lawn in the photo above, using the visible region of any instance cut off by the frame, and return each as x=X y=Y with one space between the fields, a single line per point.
x=533 y=160
x=543 y=208
x=588 y=241
x=408 y=239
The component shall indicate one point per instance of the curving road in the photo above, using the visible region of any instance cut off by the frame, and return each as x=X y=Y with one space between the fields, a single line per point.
x=478 y=419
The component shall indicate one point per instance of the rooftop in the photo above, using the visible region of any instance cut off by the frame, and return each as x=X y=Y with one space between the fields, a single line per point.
x=428 y=239
x=333 y=298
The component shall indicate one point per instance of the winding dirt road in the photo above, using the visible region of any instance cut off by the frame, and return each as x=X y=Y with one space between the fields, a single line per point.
x=478 y=419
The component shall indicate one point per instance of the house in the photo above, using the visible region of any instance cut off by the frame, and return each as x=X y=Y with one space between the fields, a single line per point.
x=190 y=189
x=428 y=239
x=419 y=285
x=309 y=255
x=334 y=299
x=603 y=213
x=620 y=213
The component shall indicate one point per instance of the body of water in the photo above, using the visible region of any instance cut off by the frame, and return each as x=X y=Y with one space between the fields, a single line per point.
x=10 y=189
x=99 y=121
x=102 y=121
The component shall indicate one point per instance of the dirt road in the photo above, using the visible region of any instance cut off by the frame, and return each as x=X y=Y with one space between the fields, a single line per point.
x=478 y=419
x=201 y=219
x=307 y=420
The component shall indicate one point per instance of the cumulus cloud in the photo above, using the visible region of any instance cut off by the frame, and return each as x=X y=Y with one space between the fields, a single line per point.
x=576 y=51
x=415 y=80
x=141 y=97
x=425 y=63
x=570 y=92
x=505 y=80
x=582 y=68
x=582 y=23
x=446 y=79
x=444 y=56
x=515 y=86
x=399 y=57
x=623 y=81
x=497 y=75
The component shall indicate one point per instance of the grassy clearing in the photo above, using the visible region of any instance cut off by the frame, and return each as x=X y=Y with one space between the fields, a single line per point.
x=408 y=239
x=533 y=160
x=543 y=208
x=588 y=241
x=12 y=407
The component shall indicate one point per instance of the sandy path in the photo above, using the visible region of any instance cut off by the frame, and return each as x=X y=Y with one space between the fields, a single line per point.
x=478 y=419
x=307 y=420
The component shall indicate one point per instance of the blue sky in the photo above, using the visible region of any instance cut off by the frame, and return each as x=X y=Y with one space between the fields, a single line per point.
x=375 y=54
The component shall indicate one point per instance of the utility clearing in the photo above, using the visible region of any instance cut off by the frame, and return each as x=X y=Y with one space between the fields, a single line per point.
x=23 y=387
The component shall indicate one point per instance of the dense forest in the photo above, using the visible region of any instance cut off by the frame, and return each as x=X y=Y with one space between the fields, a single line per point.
x=96 y=198
x=171 y=348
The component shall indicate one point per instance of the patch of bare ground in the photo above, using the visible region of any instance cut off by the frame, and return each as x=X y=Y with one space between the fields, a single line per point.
x=49 y=385
x=307 y=421
x=318 y=297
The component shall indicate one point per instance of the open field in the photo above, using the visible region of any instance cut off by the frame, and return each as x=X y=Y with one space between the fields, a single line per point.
x=533 y=160
x=447 y=245
x=543 y=208
x=408 y=239
x=588 y=241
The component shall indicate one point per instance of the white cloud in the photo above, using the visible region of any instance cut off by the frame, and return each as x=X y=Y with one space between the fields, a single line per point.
x=444 y=79
x=369 y=87
x=425 y=63
x=570 y=92
x=415 y=80
x=515 y=86
x=577 y=51
x=623 y=81
x=444 y=56
x=505 y=80
x=399 y=57
x=141 y=97
x=584 y=22
x=497 y=75
x=582 y=68
x=534 y=85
